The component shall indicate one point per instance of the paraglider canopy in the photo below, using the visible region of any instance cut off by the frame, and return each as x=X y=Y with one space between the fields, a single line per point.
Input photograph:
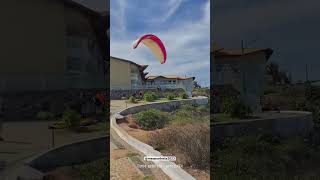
x=154 y=44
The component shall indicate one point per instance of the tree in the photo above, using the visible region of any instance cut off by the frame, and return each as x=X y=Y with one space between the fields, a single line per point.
x=196 y=85
x=273 y=71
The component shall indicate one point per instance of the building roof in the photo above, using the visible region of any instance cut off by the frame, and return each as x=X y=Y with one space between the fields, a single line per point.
x=128 y=61
x=141 y=68
x=240 y=52
x=82 y=8
x=169 y=77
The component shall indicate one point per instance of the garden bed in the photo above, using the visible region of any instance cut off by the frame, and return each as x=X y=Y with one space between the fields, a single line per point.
x=183 y=133
x=266 y=157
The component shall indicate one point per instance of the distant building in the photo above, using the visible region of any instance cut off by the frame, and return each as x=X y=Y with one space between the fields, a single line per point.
x=244 y=69
x=126 y=75
x=170 y=82
x=52 y=45
x=129 y=77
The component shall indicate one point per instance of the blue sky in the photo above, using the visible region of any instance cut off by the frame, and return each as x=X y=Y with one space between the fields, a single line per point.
x=182 y=25
x=290 y=27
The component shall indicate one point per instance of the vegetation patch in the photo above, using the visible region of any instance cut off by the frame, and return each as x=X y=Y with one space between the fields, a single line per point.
x=170 y=96
x=95 y=170
x=71 y=119
x=151 y=119
x=184 y=95
x=43 y=115
x=192 y=140
x=132 y=100
x=265 y=156
x=150 y=96
x=236 y=109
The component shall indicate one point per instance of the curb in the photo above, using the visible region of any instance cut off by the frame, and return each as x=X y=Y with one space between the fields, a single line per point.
x=166 y=166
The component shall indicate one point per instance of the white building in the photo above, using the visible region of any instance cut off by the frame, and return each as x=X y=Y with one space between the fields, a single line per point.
x=244 y=69
x=170 y=82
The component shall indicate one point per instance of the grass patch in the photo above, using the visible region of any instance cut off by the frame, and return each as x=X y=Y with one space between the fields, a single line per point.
x=132 y=100
x=190 y=114
x=43 y=115
x=148 y=178
x=265 y=156
x=131 y=154
x=222 y=117
x=94 y=170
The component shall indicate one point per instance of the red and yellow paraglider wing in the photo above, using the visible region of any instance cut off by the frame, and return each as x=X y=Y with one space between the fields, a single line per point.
x=155 y=45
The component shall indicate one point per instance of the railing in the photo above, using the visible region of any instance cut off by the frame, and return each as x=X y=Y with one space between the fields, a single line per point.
x=166 y=86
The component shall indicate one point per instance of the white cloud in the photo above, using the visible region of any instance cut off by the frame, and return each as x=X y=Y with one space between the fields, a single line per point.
x=187 y=45
x=173 y=6
x=118 y=16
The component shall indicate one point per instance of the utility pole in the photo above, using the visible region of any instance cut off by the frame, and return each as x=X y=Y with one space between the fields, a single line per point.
x=307 y=73
x=242 y=47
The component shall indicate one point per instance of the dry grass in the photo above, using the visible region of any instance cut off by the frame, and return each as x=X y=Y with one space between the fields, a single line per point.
x=193 y=140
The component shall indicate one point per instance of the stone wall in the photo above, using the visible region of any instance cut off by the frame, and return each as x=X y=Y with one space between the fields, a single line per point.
x=71 y=154
x=298 y=124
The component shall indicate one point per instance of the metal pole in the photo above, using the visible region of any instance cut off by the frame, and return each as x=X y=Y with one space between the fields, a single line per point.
x=52 y=133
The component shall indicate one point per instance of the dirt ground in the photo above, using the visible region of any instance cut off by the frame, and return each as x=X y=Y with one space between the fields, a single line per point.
x=143 y=136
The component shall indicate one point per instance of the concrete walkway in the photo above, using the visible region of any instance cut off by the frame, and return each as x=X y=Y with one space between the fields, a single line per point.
x=25 y=139
x=168 y=167
x=125 y=160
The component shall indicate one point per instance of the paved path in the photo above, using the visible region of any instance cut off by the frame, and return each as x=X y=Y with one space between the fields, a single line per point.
x=27 y=138
x=124 y=159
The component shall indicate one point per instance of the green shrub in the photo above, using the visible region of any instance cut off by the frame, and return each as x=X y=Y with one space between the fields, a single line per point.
x=150 y=96
x=170 y=96
x=132 y=99
x=236 y=108
x=98 y=169
x=71 y=118
x=151 y=119
x=184 y=95
x=42 y=115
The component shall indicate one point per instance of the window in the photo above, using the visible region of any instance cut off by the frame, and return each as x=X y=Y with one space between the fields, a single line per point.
x=73 y=64
x=74 y=42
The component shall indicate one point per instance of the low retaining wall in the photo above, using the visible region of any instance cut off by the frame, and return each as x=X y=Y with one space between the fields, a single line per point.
x=71 y=154
x=168 y=167
x=118 y=94
x=25 y=105
x=301 y=124
x=164 y=106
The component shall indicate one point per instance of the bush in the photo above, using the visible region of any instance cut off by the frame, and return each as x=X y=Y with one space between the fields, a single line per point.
x=184 y=95
x=132 y=99
x=150 y=96
x=236 y=108
x=98 y=169
x=192 y=140
x=151 y=119
x=170 y=96
x=42 y=115
x=264 y=156
x=71 y=118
